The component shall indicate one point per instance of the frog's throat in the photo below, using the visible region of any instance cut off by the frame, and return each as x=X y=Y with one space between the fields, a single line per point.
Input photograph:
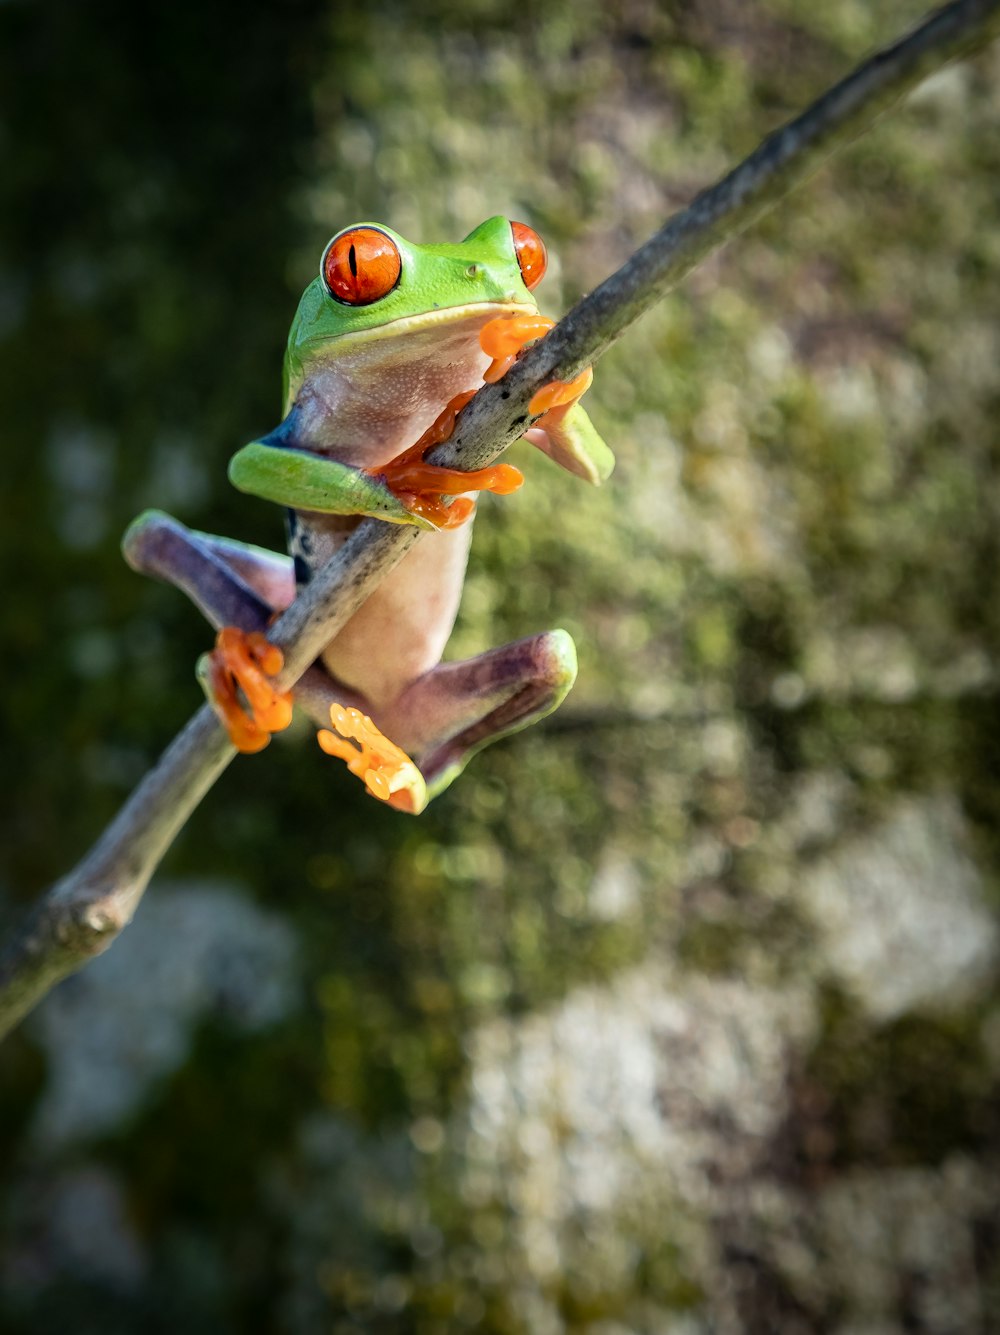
x=429 y=319
x=351 y=387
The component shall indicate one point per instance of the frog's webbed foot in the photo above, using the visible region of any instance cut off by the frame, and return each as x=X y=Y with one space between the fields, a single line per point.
x=563 y=431
x=421 y=487
x=446 y=716
x=503 y=338
x=235 y=677
x=386 y=771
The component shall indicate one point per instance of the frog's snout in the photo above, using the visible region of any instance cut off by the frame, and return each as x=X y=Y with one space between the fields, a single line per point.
x=491 y=283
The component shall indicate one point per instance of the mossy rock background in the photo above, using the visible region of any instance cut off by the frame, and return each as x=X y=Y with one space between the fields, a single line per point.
x=679 y=1011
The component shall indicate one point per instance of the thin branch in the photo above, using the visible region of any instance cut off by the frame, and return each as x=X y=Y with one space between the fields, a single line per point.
x=80 y=916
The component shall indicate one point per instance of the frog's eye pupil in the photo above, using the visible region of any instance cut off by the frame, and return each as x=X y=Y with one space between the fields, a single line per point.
x=530 y=251
x=361 y=265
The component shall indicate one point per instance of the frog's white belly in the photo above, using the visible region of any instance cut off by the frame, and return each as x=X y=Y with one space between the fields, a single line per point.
x=401 y=631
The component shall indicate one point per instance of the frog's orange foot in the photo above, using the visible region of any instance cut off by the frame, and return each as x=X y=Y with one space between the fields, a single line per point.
x=503 y=338
x=559 y=396
x=421 y=486
x=235 y=678
x=387 y=771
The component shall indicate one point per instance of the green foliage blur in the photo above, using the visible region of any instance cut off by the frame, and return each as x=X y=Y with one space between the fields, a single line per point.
x=788 y=587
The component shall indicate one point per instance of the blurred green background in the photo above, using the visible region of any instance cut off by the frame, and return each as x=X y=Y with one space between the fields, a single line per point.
x=677 y=1013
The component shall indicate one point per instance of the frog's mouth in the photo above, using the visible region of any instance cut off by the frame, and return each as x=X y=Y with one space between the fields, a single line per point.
x=365 y=396
x=473 y=312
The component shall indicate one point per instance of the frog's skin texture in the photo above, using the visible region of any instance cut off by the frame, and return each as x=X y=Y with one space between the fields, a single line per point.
x=363 y=382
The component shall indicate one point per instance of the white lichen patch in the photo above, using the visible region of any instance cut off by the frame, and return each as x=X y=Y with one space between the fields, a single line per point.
x=614 y=891
x=868 y=663
x=194 y=950
x=648 y=1095
x=917 y=1223
x=875 y=1240
x=901 y=913
x=709 y=496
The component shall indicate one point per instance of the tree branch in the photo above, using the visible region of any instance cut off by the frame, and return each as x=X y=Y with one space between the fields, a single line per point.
x=80 y=916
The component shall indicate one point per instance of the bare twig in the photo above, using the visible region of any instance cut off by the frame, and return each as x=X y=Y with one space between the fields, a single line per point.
x=82 y=913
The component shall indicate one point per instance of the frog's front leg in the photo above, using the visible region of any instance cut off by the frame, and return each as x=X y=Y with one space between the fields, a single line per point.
x=405 y=490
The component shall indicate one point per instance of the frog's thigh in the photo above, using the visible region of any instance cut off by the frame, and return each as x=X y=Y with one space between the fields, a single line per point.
x=217 y=574
x=458 y=708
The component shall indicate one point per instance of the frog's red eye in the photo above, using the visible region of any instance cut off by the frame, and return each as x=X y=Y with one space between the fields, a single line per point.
x=530 y=250
x=361 y=265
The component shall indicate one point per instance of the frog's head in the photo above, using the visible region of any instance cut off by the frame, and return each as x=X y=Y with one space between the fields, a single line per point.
x=376 y=287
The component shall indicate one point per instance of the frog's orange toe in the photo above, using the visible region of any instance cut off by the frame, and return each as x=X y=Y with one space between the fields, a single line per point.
x=561 y=393
x=434 y=509
x=386 y=770
x=240 y=665
x=378 y=785
x=503 y=338
x=420 y=486
x=414 y=477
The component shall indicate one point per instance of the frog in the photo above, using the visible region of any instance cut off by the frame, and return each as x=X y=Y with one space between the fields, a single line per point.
x=390 y=339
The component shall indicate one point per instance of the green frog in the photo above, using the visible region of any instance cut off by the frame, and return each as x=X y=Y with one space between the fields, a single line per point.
x=388 y=343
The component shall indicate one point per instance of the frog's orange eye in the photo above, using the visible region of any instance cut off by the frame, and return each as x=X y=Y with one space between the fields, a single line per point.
x=361 y=265
x=530 y=250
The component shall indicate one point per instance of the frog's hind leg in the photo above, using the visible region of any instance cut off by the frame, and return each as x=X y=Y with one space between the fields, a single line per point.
x=455 y=710
x=224 y=579
x=232 y=584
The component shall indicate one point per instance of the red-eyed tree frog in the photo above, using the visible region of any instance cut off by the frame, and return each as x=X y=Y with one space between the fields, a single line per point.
x=386 y=335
